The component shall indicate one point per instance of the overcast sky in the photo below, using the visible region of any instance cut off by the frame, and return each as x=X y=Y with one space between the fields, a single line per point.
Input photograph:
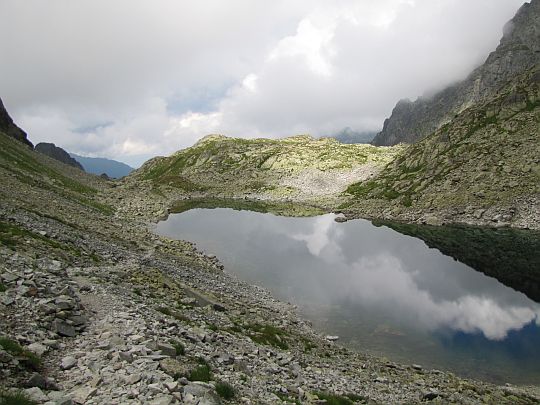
x=130 y=79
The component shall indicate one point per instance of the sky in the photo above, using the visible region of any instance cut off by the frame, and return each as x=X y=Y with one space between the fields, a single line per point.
x=132 y=79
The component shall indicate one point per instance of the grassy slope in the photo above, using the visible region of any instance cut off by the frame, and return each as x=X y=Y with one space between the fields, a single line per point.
x=487 y=155
x=277 y=167
x=42 y=174
x=44 y=191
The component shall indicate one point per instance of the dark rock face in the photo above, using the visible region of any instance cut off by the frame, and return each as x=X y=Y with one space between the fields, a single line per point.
x=55 y=152
x=8 y=126
x=518 y=51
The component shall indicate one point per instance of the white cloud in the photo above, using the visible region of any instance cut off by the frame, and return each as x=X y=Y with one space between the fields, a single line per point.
x=310 y=43
x=138 y=72
x=368 y=282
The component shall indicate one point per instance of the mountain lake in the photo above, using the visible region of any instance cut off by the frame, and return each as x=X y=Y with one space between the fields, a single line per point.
x=389 y=293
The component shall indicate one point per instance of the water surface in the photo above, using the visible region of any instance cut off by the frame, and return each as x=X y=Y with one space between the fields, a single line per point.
x=381 y=291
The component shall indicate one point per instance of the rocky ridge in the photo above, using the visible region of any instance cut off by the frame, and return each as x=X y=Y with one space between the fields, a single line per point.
x=8 y=127
x=57 y=153
x=518 y=51
x=481 y=168
x=98 y=309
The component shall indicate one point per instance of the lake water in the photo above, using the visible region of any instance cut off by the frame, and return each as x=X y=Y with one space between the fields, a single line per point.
x=387 y=293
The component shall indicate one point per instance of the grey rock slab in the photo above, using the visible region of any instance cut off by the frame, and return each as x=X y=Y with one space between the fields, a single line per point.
x=162 y=400
x=166 y=349
x=68 y=362
x=5 y=357
x=10 y=277
x=78 y=320
x=81 y=395
x=197 y=389
x=210 y=398
x=8 y=301
x=172 y=386
x=36 y=394
x=64 y=302
x=37 y=380
x=156 y=388
x=126 y=356
x=133 y=378
x=63 y=329
x=64 y=401
x=37 y=348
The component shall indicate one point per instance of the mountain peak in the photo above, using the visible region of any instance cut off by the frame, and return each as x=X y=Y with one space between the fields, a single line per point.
x=518 y=51
x=55 y=152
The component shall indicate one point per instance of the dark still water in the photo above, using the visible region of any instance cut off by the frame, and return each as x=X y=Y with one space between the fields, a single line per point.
x=387 y=293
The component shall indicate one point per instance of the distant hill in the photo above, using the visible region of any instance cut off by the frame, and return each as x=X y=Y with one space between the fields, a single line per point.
x=111 y=168
x=56 y=152
x=298 y=165
x=347 y=135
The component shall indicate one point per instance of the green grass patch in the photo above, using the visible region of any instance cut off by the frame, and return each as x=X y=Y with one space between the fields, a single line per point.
x=169 y=312
x=165 y=311
x=180 y=182
x=2 y=287
x=10 y=235
x=286 y=398
x=362 y=188
x=28 y=169
x=276 y=208
x=268 y=335
x=406 y=200
x=15 y=398
x=225 y=390
x=179 y=347
x=308 y=344
x=29 y=360
x=201 y=373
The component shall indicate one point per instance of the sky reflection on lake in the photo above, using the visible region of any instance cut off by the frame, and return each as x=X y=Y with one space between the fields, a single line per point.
x=379 y=290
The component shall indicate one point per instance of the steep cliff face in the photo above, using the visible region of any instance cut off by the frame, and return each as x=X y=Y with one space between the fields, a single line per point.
x=518 y=51
x=9 y=128
x=55 y=152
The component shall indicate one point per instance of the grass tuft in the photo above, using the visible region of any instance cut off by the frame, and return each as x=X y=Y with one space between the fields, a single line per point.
x=179 y=347
x=201 y=373
x=29 y=360
x=268 y=335
x=15 y=398
x=225 y=390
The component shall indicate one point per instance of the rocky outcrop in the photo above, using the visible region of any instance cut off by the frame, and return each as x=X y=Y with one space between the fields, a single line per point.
x=9 y=128
x=518 y=51
x=55 y=152
x=482 y=167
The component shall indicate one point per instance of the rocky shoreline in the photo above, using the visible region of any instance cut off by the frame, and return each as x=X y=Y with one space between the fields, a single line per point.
x=95 y=308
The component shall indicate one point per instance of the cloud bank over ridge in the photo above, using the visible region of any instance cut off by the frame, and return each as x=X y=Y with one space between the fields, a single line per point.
x=131 y=79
